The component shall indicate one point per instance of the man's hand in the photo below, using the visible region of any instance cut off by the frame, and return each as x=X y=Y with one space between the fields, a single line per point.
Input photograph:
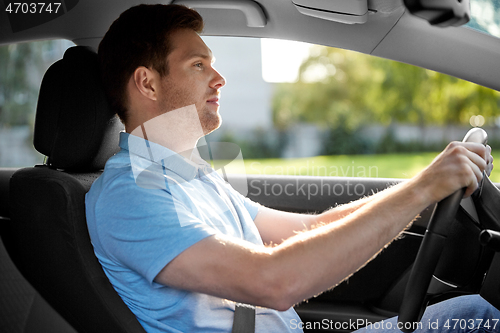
x=489 y=161
x=460 y=165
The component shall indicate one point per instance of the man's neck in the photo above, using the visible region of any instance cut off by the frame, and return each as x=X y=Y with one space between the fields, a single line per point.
x=178 y=130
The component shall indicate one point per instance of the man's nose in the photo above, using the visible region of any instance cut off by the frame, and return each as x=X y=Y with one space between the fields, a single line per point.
x=218 y=81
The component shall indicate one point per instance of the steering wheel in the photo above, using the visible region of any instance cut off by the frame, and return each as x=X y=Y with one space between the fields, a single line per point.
x=430 y=250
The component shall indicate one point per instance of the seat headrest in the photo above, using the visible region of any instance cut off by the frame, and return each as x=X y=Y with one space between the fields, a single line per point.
x=74 y=126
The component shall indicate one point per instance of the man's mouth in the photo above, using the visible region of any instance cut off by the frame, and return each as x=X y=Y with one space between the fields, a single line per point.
x=214 y=100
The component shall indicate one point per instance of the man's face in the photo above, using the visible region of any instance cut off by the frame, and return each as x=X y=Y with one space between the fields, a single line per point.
x=192 y=79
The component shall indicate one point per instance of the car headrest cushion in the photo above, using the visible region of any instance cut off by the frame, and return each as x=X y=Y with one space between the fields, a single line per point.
x=74 y=126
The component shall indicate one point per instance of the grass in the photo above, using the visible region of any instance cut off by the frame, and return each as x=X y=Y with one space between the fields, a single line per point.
x=381 y=166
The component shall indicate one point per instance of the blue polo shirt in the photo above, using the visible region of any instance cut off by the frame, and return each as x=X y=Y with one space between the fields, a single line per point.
x=148 y=206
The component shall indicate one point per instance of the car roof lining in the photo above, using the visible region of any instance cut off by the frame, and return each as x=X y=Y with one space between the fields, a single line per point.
x=390 y=32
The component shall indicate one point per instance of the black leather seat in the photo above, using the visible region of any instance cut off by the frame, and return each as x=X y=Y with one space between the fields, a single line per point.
x=47 y=238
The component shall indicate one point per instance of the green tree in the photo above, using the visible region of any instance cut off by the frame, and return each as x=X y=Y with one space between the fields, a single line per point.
x=330 y=90
x=21 y=70
x=415 y=95
x=344 y=88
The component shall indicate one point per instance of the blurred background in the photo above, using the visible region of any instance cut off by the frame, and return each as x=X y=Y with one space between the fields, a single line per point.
x=296 y=108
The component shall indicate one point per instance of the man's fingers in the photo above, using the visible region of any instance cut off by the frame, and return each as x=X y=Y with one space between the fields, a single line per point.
x=481 y=160
x=460 y=165
x=478 y=173
x=489 y=161
x=478 y=161
x=471 y=160
x=475 y=147
x=474 y=179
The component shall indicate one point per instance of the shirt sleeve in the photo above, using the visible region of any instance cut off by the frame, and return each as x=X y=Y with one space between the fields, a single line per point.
x=144 y=229
x=252 y=207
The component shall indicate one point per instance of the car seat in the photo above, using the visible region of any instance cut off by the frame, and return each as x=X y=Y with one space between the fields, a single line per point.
x=47 y=237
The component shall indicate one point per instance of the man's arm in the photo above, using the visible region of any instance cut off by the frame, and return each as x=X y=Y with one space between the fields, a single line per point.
x=275 y=226
x=313 y=261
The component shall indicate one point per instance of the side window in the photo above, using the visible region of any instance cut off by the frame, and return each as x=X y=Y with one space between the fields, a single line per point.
x=21 y=71
x=300 y=109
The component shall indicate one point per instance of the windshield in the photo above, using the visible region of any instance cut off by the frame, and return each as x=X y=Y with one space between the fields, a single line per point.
x=485 y=16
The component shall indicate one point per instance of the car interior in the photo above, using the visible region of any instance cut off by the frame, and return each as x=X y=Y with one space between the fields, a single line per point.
x=50 y=280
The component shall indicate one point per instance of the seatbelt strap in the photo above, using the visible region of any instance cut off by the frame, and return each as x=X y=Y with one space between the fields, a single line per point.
x=244 y=319
x=244 y=315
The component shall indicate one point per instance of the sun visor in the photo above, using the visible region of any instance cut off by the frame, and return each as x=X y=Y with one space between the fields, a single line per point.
x=343 y=11
x=253 y=12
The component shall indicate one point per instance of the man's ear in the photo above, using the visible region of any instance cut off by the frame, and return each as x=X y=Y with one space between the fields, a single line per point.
x=146 y=82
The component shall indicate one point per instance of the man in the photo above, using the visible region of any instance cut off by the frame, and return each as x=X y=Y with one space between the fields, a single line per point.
x=180 y=245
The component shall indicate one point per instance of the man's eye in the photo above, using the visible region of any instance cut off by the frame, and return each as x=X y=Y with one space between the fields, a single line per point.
x=198 y=64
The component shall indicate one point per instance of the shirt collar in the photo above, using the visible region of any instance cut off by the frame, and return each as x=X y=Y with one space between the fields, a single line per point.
x=186 y=168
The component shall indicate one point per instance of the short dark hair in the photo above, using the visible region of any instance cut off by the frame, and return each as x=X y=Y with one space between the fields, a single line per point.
x=140 y=37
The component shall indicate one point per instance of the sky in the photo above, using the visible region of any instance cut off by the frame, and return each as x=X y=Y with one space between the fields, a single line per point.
x=281 y=59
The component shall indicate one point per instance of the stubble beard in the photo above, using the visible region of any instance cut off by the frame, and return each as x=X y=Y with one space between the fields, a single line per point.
x=209 y=120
